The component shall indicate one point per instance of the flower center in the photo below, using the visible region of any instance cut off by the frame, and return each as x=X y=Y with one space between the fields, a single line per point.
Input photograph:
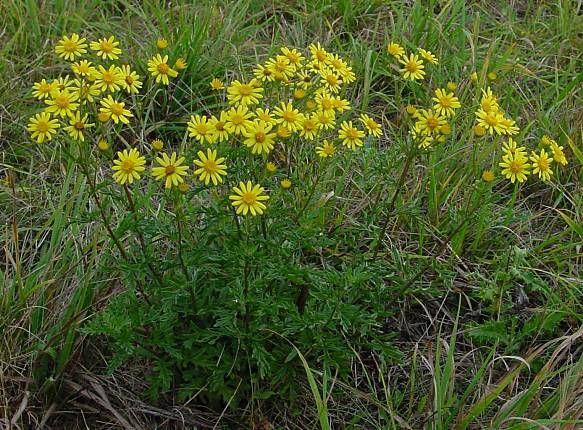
x=351 y=134
x=432 y=123
x=326 y=104
x=237 y=119
x=260 y=137
x=62 y=102
x=69 y=46
x=245 y=90
x=411 y=66
x=491 y=119
x=220 y=126
x=309 y=125
x=202 y=128
x=515 y=166
x=79 y=125
x=116 y=108
x=320 y=55
x=249 y=198
x=163 y=68
x=42 y=126
x=289 y=116
x=44 y=88
x=129 y=80
x=445 y=102
x=170 y=169
x=332 y=80
x=106 y=46
x=127 y=165
x=543 y=164
x=108 y=77
x=210 y=166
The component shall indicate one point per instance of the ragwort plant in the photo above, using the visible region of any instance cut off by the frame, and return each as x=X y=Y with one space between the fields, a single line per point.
x=220 y=232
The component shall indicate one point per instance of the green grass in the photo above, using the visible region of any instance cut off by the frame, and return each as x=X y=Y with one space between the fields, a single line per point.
x=485 y=295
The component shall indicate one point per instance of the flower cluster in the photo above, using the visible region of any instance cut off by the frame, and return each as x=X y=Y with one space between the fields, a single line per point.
x=292 y=97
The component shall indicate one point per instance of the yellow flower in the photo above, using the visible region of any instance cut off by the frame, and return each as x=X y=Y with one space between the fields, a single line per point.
x=325 y=101
x=210 y=168
x=547 y=140
x=413 y=67
x=258 y=137
x=289 y=117
x=161 y=43
x=111 y=79
x=330 y=80
x=395 y=49
x=180 y=64
x=128 y=166
x=340 y=104
x=340 y=67
x=42 y=127
x=270 y=167
x=248 y=198
x=489 y=101
x=217 y=84
x=319 y=54
x=285 y=184
x=311 y=105
x=282 y=132
x=350 y=135
x=445 y=103
x=299 y=93
x=428 y=56
x=44 y=89
x=558 y=154
x=201 y=129
x=238 y=119
x=508 y=126
x=63 y=83
x=280 y=67
x=511 y=147
x=428 y=122
x=325 y=120
x=265 y=115
x=107 y=49
x=103 y=116
x=116 y=110
x=71 y=47
x=491 y=121
x=541 y=164
x=159 y=68
x=131 y=80
x=515 y=167
x=492 y=76
x=77 y=126
x=474 y=77
x=102 y=145
x=219 y=126
x=294 y=56
x=304 y=79
x=451 y=86
x=83 y=68
x=488 y=176
x=241 y=94
x=170 y=169
x=62 y=103
x=326 y=150
x=309 y=128
x=423 y=141
x=479 y=130
x=372 y=127
x=183 y=187
x=263 y=74
x=157 y=145
x=411 y=110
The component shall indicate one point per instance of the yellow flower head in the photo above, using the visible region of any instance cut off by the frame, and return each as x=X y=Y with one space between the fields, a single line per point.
x=309 y=128
x=488 y=176
x=412 y=67
x=44 y=89
x=350 y=136
x=326 y=150
x=170 y=169
x=238 y=119
x=451 y=86
x=131 y=80
x=159 y=68
x=83 y=68
x=490 y=121
x=102 y=145
x=263 y=73
x=106 y=48
x=474 y=77
x=78 y=124
x=270 y=167
x=210 y=168
x=325 y=120
x=395 y=49
x=547 y=140
x=111 y=79
x=280 y=67
x=411 y=110
x=492 y=76
x=428 y=122
x=445 y=103
x=201 y=129
x=62 y=103
x=330 y=79
x=289 y=117
x=371 y=126
x=319 y=54
x=511 y=147
x=265 y=115
x=161 y=43
x=244 y=94
x=285 y=184
x=282 y=132
x=116 y=110
x=128 y=166
x=541 y=165
x=294 y=56
x=219 y=125
x=180 y=64
x=157 y=145
x=515 y=167
x=71 y=47
x=216 y=84
x=299 y=93
x=428 y=56
x=248 y=198
x=42 y=127
x=558 y=154
x=258 y=137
